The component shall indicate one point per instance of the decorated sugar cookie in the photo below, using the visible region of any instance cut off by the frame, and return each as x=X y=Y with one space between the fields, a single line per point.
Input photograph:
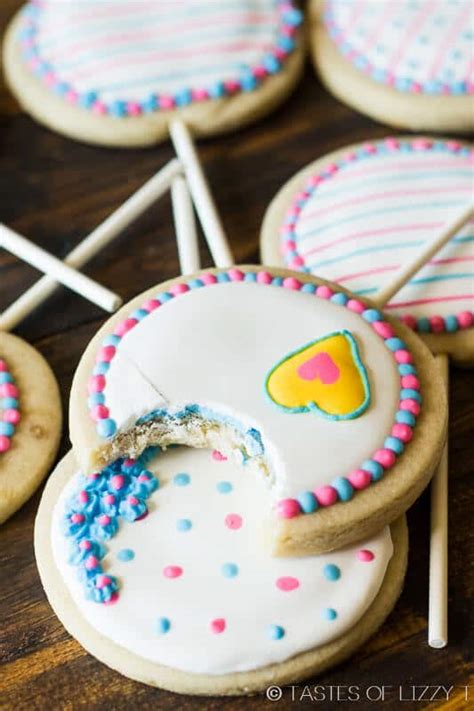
x=116 y=72
x=129 y=561
x=30 y=422
x=408 y=63
x=356 y=215
x=339 y=410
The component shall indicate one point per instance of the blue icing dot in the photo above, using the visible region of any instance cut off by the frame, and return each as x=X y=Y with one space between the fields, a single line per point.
x=329 y=613
x=125 y=555
x=230 y=570
x=276 y=632
x=404 y=417
x=451 y=323
x=331 y=572
x=409 y=393
x=308 y=288
x=224 y=487
x=307 y=501
x=339 y=298
x=223 y=277
x=184 y=524
x=5 y=378
x=395 y=444
x=343 y=488
x=106 y=428
x=372 y=315
x=181 y=479
x=406 y=369
x=395 y=344
x=6 y=428
x=162 y=625
x=374 y=468
x=423 y=325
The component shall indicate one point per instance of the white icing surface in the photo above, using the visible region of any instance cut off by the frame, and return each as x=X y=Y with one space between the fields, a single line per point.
x=249 y=602
x=421 y=40
x=373 y=214
x=215 y=346
x=130 y=50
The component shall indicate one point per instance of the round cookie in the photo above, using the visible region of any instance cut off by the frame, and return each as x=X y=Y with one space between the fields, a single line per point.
x=117 y=75
x=338 y=408
x=30 y=422
x=408 y=64
x=152 y=597
x=354 y=215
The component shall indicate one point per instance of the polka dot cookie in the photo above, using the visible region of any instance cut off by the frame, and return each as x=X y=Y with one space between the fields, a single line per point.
x=356 y=215
x=290 y=361
x=116 y=73
x=30 y=422
x=204 y=611
x=408 y=63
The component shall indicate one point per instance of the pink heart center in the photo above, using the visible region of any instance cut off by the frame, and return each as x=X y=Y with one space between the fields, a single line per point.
x=319 y=366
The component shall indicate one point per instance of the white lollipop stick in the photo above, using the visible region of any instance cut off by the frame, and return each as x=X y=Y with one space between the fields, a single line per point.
x=424 y=254
x=202 y=198
x=185 y=225
x=48 y=264
x=99 y=238
x=438 y=593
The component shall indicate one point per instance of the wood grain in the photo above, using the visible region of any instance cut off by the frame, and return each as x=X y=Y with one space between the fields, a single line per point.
x=55 y=191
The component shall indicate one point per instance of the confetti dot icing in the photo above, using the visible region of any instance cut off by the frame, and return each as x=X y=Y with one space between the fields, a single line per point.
x=361 y=216
x=417 y=47
x=128 y=59
x=198 y=621
x=9 y=407
x=376 y=433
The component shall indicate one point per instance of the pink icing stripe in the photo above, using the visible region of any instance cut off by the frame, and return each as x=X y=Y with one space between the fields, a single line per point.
x=461 y=21
x=375 y=233
x=380 y=270
x=124 y=38
x=420 y=18
x=434 y=300
x=386 y=195
x=175 y=54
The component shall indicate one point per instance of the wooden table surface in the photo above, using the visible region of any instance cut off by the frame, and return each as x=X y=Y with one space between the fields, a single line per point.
x=55 y=191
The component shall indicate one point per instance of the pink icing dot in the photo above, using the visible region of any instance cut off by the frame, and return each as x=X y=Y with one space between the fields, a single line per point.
x=132 y=500
x=3 y=366
x=315 y=180
x=291 y=283
x=99 y=412
x=96 y=384
x=117 y=481
x=465 y=319
x=235 y=274
x=410 y=381
x=218 y=625
x=72 y=96
x=172 y=571
x=437 y=324
x=4 y=443
x=113 y=599
x=178 y=289
x=385 y=457
x=12 y=416
x=288 y=508
x=260 y=72
x=133 y=109
x=85 y=545
x=83 y=497
x=103 y=581
x=129 y=462
x=403 y=356
x=103 y=520
x=166 y=102
x=294 y=210
x=208 y=279
x=324 y=292
x=8 y=390
x=200 y=94
x=288 y=227
x=151 y=305
x=99 y=108
x=370 y=148
x=231 y=86
x=288 y=246
x=402 y=431
x=355 y=305
x=264 y=278
x=409 y=321
x=384 y=329
x=365 y=555
x=421 y=144
x=296 y=262
x=233 y=521
x=125 y=326
x=77 y=518
x=411 y=406
x=105 y=354
x=287 y=583
x=326 y=495
x=218 y=456
x=359 y=478
x=351 y=155
x=332 y=168
x=91 y=562
x=109 y=499
x=453 y=145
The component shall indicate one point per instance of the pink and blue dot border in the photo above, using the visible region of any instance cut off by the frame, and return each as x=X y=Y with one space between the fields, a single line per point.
x=288 y=231
x=343 y=488
x=250 y=78
x=433 y=87
x=9 y=407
